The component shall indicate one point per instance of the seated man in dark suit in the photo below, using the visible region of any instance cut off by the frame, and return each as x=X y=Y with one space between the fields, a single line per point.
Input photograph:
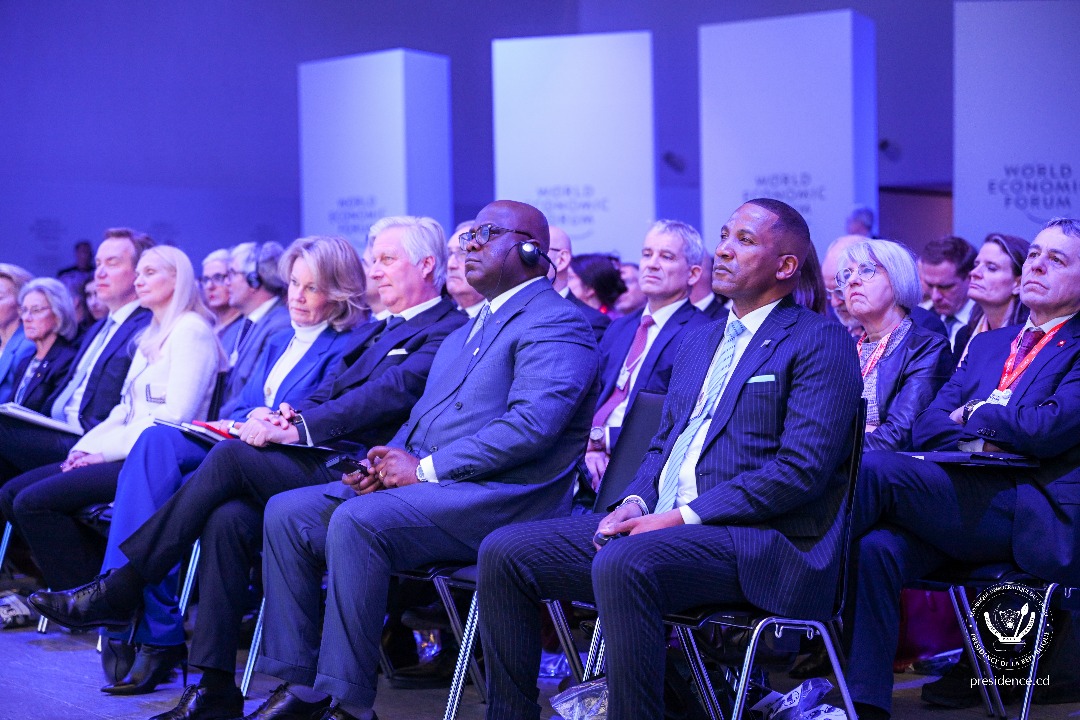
x=638 y=350
x=561 y=253
x=97 y=374
x=360 y=405
x=1017 y=392
x=494 y=440
x=737 y=498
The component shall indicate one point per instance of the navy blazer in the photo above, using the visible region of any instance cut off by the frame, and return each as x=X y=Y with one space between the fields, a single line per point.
x=1042 y=420
x=771 y=468
x=716 y=309
x=50 y=374
x=597 y=320
x=304 y=377
x=655 y=372
x=505 y=416
x=907 y=381
x=107 y=376
x=252 y=355
x=378 y=380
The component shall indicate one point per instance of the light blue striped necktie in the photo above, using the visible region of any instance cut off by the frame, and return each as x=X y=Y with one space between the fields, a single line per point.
x=478 y=324
x=669 y=484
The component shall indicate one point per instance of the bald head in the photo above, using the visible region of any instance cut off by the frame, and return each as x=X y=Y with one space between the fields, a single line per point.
x=560 y=252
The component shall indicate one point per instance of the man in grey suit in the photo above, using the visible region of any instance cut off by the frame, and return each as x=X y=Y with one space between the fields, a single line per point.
x=494 y=440
x=736 y=500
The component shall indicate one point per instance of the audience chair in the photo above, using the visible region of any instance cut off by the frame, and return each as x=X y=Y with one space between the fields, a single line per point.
x=954 y=578
x=640 y=426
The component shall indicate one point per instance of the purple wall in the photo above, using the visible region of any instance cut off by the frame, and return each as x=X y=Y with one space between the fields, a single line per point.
x=181 y=118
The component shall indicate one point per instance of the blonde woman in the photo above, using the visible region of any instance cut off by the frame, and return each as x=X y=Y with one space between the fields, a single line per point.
x=176 y=359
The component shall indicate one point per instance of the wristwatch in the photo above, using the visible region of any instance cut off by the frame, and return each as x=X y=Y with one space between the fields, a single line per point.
x=596 y=439
x=969 y=407
x=420 y=473
x=301 y=428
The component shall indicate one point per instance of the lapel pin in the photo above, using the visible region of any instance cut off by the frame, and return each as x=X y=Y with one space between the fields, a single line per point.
x=766 y=342
x=1061 y=343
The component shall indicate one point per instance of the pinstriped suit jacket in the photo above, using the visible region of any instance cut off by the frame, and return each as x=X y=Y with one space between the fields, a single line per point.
x=770 y=468
x=505 y=427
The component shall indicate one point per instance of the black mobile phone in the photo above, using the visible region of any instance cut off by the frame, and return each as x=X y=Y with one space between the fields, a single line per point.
x=601 y=539
x=346 y=465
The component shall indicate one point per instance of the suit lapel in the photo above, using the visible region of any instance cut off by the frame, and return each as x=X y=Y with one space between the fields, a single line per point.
x=670 y=329
x=760 y=349
x=309 y=360
x=1063 y=342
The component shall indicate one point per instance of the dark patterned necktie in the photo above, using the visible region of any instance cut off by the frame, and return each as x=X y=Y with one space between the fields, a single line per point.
x=1028 y=340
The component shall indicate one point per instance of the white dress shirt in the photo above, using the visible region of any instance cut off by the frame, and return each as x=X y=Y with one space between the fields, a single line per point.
x=118 y=316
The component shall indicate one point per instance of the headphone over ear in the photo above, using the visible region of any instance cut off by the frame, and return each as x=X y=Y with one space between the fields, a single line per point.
x=254 y=280
x=530 y=254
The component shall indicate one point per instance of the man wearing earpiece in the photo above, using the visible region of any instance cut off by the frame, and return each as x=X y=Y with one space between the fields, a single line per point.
x=255 y=288
x=494 y=439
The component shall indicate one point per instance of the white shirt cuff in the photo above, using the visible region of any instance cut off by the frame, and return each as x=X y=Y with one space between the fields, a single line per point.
x=427 y=465
x=689 y=516
x=972 y=445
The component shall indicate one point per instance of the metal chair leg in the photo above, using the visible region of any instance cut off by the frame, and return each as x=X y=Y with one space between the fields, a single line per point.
x=566 y=639
x=465 y=656
x=4 y=544
x=1029 y=693
x=447 y=597
x=189 y=578
x=958 y=596
x=698 y=672
x=253 y=653
x=838 y=672
x=594 y=664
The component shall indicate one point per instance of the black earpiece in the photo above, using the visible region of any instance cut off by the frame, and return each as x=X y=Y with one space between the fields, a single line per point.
x=530 y=254
x=254 y=280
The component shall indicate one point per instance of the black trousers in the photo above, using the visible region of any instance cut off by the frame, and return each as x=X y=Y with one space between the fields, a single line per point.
x=43 y=503
x=222 y=505
x=24 y=447
x=634 y=581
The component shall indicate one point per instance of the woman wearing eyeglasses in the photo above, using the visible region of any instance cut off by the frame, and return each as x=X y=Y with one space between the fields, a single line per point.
x=48 y=318
x=215 y=290
x=903 y=365
x=995 y=283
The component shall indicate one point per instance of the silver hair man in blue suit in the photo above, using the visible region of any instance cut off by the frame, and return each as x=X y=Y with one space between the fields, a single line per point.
x=494 y=440
x=737 y=498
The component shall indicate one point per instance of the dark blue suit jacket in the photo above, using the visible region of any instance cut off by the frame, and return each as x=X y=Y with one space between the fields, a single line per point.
x=302 y=380
x=655 y=373
x=716 y=309
x=52 y=371
x=1042 y=420
x=771 y=468
x=107 y=376
x=378 y=380
x=505 y=425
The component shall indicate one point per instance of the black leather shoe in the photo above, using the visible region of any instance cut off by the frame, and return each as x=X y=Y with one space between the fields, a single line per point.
x=283 y=705
x=198 y=703
x=117 y=657
x=83 y=607
x=336 y=713
x=153 y=666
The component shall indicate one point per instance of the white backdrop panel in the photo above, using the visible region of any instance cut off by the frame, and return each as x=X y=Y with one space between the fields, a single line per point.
x=1017 y=117
x=789 y=111
x=574 y=134
x=374 y=141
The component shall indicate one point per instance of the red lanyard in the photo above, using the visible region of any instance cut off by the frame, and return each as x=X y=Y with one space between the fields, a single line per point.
x=872 y=361
x=1010 y=375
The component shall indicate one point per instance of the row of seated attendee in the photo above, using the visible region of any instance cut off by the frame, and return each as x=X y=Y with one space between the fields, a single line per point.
x=738 y=497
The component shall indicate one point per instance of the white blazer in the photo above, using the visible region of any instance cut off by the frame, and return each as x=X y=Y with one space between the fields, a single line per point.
x=176 y=387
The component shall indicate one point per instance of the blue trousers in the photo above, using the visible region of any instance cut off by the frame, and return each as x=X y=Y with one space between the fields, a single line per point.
x=159 y=463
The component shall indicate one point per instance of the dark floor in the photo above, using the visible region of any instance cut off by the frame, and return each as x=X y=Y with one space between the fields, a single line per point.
x=57 y=676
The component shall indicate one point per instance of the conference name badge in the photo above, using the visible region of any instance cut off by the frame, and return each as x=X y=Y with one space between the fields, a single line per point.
x=999 y=397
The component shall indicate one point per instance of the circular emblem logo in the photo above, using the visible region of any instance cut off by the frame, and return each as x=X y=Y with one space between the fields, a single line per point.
x=1007 y=618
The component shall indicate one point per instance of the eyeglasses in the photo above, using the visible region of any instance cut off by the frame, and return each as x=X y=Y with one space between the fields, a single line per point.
x=865 y=271
x=215 y=279
x=481 y=235
x=38 y=311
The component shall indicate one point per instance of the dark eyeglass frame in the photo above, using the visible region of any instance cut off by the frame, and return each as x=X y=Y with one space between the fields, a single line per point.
x=865 y=271
x=215 y=279
x=483 y=234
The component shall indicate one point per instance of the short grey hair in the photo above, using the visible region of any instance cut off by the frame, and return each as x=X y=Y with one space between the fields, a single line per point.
x=897 y=260
x=221 y=256
x=60 y=302
x=262 y=259
x=693 y=247
x=1068 y=226
x=423 y=237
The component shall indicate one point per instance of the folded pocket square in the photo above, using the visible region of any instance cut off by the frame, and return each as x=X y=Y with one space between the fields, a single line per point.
x=761 y=378
x=397 y=351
